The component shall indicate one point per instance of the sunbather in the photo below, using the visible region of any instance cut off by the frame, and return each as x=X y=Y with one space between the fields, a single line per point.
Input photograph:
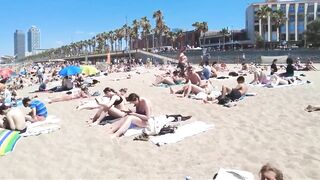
x=311 y=108
x=14 y=119
x=38 y=110
x=234 y=93
x=114 y=108
x=138 y=118
x=83 y=92
x=193 y=89
x=268 y=172
x=260 y=77
x=170 y=80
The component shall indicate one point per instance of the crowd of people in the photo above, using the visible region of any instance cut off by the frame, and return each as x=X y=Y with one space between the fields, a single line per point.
x=195 y=83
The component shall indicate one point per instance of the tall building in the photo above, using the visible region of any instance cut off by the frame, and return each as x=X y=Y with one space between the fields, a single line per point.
x=19 y=44
x=298 y=14
x=33 y=39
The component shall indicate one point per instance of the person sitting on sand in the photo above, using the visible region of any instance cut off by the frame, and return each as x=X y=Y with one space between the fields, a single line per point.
x=6 y=95
x=38 y=110
x=14 y=119
x=192 y=76
x=170 y=80
x=138 y=118
x=234 y=93
x=274 y=68
x=66 y=85
x=311 y=108
x=43 y=85
x=89 y=105
x=268 y=172
x=289 y=70
x=114 y=108
x=206 y=72
x=83 y=92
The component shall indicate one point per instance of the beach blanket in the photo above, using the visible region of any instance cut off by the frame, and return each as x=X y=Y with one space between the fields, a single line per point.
x=167 y=85
x=155 y=125
x=8 y=140
x=232 y=174
x=181 y=133
x=280 y=86
x=234 y=103
x=42 y=127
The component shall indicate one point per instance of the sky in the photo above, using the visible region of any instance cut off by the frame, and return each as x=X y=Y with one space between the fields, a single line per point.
x=64 y=21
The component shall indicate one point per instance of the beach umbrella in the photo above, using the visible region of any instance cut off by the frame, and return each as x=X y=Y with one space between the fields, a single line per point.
x=69 y=71
x=6 y=72
x=89 y=70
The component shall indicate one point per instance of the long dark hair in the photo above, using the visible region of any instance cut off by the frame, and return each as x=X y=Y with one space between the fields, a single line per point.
x=132 y=97
x=107 y=89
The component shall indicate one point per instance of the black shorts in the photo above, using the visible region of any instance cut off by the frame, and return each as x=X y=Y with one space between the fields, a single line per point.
x=234 y=94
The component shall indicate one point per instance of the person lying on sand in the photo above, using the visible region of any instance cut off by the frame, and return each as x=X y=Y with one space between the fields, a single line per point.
x=193 y=89
x=138 y=118
x=83 y=92
x=114 y=108
x=169 y=80
x=260 y=77
x=311 y=108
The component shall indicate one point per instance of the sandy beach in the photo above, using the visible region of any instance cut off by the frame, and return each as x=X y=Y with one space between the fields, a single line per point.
x=270 y=127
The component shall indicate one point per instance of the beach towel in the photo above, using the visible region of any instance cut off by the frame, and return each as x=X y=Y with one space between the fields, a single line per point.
x=42 y=127
x=181 y=133
x=280 y=86
x=232 y=174
x=8 y=140
x=155 y=125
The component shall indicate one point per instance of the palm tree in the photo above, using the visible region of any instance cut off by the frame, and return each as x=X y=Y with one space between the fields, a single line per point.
x=157 y=15
x=263 y=14
x=224 y=32
x=135 y=31
x=201 y=28
x=146 y=26
x=172 y=38
x=278 y=18
x=312 y=33
x=180 y=35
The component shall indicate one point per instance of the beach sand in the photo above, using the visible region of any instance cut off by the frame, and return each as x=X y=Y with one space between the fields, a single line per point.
x=270 y=127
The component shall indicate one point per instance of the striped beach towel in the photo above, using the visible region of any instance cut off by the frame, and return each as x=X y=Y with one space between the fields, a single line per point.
x=8 y=140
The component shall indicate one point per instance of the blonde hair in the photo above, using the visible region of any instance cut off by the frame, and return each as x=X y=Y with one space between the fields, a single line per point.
x=269 y=167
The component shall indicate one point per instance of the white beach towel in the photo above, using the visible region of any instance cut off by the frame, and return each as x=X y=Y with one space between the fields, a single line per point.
x=181 y=133
x=155 y=125
x=232 y=174
x=42 y=127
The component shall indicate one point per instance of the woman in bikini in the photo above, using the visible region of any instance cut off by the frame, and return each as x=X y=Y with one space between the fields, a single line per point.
x=114 y=108
x=138 y=118
x=92 y=104
x=194 y=89
x=170 y=80
x=83 y=92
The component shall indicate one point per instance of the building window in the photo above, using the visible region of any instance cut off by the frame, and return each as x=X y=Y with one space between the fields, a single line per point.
x=283 y=8
x=311 y=9
x=292 y=18
x=301 y=8
x=256 y=28
x=310 y=17
x=300 y=37
x=283 y=29
x=291 y=28
x=292 y=8
x=292 y=37
x=300 y=27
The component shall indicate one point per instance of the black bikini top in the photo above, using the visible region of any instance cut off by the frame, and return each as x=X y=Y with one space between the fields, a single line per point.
x=117 y=102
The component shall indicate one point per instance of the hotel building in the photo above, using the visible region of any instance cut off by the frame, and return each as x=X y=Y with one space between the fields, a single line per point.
x=298 y=13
